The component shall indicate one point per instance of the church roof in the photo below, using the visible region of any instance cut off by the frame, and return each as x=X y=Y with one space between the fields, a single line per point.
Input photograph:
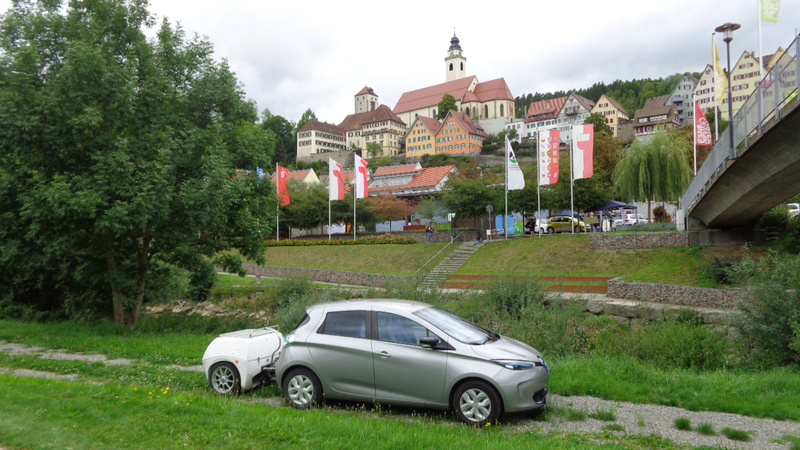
x=380 y=114
x=493 y=90
x=432 y=95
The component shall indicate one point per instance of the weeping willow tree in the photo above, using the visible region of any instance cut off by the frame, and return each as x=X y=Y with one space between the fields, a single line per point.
x=657 y=169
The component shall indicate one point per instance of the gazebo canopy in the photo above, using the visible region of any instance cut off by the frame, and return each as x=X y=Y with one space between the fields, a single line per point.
x=613 y=204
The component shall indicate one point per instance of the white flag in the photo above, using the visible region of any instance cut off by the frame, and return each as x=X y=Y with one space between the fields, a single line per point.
x=361 y=177
x=516 y=179
x=582 y=151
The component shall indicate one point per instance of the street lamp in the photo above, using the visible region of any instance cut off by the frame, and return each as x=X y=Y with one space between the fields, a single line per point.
x=728 y=28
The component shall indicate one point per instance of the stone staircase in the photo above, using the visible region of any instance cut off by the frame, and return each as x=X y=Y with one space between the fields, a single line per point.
x=439 y=274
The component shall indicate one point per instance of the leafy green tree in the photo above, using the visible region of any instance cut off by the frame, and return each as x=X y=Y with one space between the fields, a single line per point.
x=599 y=122
x=428 y=208
x=119 y=157
x=374 y=149
x=285 y=141
x=389 y=207
x=447 y=104
x=655 y=169
x=309 y=208
x=307 y=115
x=469 y=198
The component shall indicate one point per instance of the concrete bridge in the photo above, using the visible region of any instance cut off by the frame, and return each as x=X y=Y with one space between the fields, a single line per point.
x=738 y=183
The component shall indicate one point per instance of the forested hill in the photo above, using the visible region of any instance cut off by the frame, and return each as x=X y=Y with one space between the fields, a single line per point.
x=630 y=94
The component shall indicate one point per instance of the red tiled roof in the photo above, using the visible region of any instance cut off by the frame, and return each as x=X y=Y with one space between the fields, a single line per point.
x=380 y=114
x=429 y=177
x=585 y=102
x=493 y=90
x=467 y=124
x=316 y=125
x=550 y=107
x=429 y=96
x=395 y=170
x=299 y=175
x=614 y=103
x=366 y=90
x=430 y=123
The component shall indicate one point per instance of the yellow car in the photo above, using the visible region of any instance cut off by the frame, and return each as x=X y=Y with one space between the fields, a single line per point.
x=565 y=224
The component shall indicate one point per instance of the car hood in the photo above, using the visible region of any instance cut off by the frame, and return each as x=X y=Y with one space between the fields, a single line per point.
x=506 y=348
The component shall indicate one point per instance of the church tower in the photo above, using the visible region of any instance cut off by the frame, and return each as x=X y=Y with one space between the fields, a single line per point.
x=366 y=100
x=455 y=63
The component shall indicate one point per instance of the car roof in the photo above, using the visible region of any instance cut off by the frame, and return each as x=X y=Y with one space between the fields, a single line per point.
x=383 y=304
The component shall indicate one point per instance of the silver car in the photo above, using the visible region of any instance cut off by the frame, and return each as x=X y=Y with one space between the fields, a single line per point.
x=409 y=353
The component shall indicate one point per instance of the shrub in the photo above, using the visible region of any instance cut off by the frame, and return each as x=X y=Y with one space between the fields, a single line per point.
x=683 y=423
x=789 y=241
x=514 y=296
x=719 y=269
x=769 y=314
x=193 y=323
x=736 y=435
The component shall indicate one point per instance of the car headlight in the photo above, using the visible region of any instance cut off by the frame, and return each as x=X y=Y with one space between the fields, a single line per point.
x=288 y=339
x=516 y=365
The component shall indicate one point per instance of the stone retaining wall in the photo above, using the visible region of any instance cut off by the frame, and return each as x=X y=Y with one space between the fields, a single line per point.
x=675 y=295
x=615 y=241
x=327 y=276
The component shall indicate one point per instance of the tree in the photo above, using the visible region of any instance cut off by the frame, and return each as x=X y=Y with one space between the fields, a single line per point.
x=119 y=157
x=656 y=169
x=469 y=198
x=447 y=104
x=600 y=125
x=374 y=149
x=307 y=115
x=389 y=207
x=309 y=208
x=285 y=141
x=428 y=208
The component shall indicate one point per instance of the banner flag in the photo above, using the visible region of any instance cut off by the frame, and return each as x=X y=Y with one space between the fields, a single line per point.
x=770 y=10
x=549 y=146
x=582 y=151
x=283 y=189
x=720 y=79
x=335 y=180
x=361 y=177
x=516 y=179
x=702 y=130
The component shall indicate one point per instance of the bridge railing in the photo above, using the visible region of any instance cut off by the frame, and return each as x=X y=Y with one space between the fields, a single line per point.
x=777 y=88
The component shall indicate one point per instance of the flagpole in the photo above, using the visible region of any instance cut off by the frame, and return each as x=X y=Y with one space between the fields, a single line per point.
x=355 y=198
x=329 y=211
x=695 y=133
x=277 y=205
x=714 y=56
x=571 y=180
x=538 y=185
x=505 y=213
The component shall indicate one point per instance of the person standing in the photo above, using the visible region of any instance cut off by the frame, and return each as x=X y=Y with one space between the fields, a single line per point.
x=429 y=230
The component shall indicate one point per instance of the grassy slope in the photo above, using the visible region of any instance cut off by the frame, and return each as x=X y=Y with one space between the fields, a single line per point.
x=563 y=255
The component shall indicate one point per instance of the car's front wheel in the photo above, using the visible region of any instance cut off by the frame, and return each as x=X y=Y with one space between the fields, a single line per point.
x=577 y=229
x=477 y=403
x=224 y=378
x=550 y=230
x=302 y=388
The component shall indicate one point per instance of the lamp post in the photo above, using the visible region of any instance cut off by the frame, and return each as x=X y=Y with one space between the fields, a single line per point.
x=728 y=28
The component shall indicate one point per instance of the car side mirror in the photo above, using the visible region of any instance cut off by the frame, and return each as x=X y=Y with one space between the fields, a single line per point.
x=429 y=342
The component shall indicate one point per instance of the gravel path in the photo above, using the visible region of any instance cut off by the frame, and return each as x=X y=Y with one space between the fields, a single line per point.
x=647 y=420
x=634 y=419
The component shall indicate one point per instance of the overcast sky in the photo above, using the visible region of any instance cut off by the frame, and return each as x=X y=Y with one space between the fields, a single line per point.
x=291 y=56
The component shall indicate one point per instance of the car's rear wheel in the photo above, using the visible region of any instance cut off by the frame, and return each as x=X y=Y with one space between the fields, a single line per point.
x=224 y=378
x=302 y=388
x=577 y=229
x=550 y=230
x=477 y=403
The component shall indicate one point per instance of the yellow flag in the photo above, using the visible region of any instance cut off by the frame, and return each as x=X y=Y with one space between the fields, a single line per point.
x=720 y=80
x=770 y=10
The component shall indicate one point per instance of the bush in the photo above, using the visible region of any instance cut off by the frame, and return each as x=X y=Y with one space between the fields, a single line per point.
x=769 y=314
x=514 y=296
x=719 y=269
x=789 y=241
x=193 y=323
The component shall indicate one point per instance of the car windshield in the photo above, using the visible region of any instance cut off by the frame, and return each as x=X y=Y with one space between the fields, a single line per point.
x=457 y=327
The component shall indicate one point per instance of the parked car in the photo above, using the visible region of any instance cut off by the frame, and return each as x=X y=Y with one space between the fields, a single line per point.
x=536 y=226
x=565 y=224
x=633 y=219
x=408 y=353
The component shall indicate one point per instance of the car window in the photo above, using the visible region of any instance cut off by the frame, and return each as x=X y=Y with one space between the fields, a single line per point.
x=394 y=328
x=345 y=323
x=455 y=326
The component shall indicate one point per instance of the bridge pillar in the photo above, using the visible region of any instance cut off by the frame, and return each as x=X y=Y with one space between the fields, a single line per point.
x=710 y=237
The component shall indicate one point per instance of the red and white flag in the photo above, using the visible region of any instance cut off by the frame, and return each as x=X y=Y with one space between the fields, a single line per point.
x=549 y=145
x=335 y=180
x=283 y=189
x=361 y=177
x=702 y=130
x=582 y=151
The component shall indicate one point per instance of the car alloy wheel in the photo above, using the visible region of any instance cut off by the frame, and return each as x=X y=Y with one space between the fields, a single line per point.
x=224 y=378
x=477 y=403
x=302 y=389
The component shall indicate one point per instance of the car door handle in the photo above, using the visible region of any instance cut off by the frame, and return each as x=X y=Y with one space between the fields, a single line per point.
x=384 y=354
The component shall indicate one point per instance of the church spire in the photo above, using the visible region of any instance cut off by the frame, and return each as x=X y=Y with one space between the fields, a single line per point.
x=455 y=63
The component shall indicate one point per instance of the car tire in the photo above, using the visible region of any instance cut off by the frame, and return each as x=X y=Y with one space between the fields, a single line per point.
x=577 y=230
x=477 y=403
x=224 y=378
x=550 y=230
x=302 y=389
